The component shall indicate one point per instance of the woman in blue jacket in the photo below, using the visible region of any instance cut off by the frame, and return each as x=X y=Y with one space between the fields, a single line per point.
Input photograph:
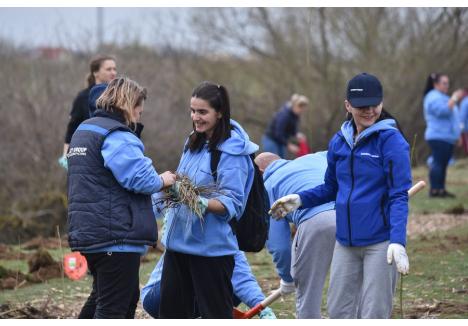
x=110 y=216
x=199 y=258
x=368 y=177
x=442 y=129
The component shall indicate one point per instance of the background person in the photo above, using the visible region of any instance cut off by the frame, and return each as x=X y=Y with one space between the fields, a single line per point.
x=442 y=129
x=302 y=266
x=283 y=126
x=368 y=175
x=102 y=69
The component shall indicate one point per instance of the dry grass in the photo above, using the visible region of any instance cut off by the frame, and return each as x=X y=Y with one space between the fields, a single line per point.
x=188 y=194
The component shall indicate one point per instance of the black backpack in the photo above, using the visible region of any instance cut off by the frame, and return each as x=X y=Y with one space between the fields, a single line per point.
x=252 y=228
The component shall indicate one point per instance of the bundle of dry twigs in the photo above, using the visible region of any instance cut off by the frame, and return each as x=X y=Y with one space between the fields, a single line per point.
x=187 y=195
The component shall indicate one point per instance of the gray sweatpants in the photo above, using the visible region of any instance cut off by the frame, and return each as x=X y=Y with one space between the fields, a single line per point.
x=312 y=252
x=362 y=284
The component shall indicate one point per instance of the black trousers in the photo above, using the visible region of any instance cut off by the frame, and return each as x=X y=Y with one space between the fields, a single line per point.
x=190 y=283
x=115 y=290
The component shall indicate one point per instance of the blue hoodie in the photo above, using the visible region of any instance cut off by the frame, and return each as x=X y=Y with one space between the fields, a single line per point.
x=369 y=179
x=244 y=284
x=441 y=122
x=95 y=92
x=186 y=233
x=464 y=114
x=283 y=177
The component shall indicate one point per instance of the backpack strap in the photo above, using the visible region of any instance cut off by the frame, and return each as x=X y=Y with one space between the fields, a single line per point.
x=215 y=157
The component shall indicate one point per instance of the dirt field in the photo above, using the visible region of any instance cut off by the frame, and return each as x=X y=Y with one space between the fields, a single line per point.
x=431 y=236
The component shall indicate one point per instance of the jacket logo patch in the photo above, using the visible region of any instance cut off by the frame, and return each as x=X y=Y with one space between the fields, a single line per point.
x=80 y=151
x=369 y=154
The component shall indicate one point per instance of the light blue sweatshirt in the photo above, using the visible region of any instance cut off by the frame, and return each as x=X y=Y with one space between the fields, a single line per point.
x=284 y=177
x=123 y=154
x=213 y=237
x=442 y=123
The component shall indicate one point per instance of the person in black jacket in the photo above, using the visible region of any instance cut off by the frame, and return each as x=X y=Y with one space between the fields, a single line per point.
x=283 y=126
x=102 y=69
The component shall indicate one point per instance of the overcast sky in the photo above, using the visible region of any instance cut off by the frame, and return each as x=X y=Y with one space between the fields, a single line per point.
x=76 y=28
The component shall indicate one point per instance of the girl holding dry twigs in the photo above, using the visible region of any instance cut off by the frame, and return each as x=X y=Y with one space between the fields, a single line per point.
x=110 y=182
x=200 y=244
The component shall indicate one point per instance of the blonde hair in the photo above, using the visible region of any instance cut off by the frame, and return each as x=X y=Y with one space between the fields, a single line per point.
x=299 y=100
x=122 y=94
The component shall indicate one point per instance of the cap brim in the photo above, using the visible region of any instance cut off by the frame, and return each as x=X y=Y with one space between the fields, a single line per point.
x=365 y=101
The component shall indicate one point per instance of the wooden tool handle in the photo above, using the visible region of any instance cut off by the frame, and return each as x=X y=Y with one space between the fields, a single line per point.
x=416 y=188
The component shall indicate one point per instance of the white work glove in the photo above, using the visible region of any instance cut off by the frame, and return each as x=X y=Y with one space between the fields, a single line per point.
x=285 y=205
x=398 y=253
x=287 y=287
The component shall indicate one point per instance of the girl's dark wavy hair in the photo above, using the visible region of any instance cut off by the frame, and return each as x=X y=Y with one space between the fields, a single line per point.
x=218 y=98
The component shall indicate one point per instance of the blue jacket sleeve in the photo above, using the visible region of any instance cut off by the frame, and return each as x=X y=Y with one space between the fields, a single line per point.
x=279 y=246
x=123 y=155
x=244 y=284
x=397 y=169
x=233 y=176
x=438 y=107
x=154 y=284
x=327 y=191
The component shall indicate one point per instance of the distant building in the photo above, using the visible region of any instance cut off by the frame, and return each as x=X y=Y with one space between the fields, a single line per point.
x=51 y=53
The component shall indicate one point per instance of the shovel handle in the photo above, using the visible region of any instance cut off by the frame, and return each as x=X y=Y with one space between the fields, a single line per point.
x=271 y=298
x=416 y=188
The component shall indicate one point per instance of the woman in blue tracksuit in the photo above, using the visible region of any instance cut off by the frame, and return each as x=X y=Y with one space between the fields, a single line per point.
x=368 y=176
x=199 y=258
x=442 y=129
x=110 y=182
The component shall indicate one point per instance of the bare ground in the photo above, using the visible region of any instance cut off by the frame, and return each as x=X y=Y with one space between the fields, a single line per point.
x=418 y=225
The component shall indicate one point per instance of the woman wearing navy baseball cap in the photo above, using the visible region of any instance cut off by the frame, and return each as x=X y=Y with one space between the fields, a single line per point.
x=368 y=176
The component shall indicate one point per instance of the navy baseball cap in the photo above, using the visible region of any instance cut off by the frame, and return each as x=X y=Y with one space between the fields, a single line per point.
x=364 y=90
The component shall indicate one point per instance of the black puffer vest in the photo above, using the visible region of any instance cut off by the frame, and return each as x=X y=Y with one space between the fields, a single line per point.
x=100 y=211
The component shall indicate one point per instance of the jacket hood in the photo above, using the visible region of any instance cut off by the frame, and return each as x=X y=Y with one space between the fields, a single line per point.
x=239 y=143
x=347 y=130
x=94 y=93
